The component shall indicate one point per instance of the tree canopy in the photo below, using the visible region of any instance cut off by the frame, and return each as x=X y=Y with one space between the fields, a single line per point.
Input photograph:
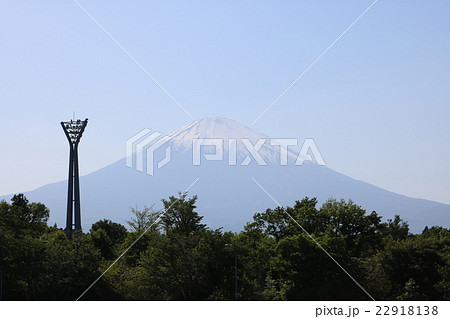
x=284 y=253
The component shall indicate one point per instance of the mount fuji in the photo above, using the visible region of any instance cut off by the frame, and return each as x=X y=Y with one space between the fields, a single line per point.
x=227 y=193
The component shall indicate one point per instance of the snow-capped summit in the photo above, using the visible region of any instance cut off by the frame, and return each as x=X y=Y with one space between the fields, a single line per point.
x=214 y=128
x=232 y=134
x=209 y=128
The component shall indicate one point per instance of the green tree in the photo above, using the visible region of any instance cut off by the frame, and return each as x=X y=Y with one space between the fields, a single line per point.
x=180 y=216
x=69 y=267
x=396 y=229
x=24 y=217
x=116 y=232
x=103 y=243
x=146 y=219
x=413 y=268
x=361 y=232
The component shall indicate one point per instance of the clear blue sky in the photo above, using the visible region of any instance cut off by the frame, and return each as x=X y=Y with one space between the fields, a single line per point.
x=377 y=104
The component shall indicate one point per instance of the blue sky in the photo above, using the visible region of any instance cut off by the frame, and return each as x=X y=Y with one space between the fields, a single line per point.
x=377 y=104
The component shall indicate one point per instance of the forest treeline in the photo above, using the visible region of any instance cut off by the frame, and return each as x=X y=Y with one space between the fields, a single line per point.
x=281 y=255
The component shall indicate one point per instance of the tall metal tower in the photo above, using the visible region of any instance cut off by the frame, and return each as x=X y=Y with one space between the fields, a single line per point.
x=74 y=130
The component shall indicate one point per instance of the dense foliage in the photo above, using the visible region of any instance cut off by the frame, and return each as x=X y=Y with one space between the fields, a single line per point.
x=286 y=253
